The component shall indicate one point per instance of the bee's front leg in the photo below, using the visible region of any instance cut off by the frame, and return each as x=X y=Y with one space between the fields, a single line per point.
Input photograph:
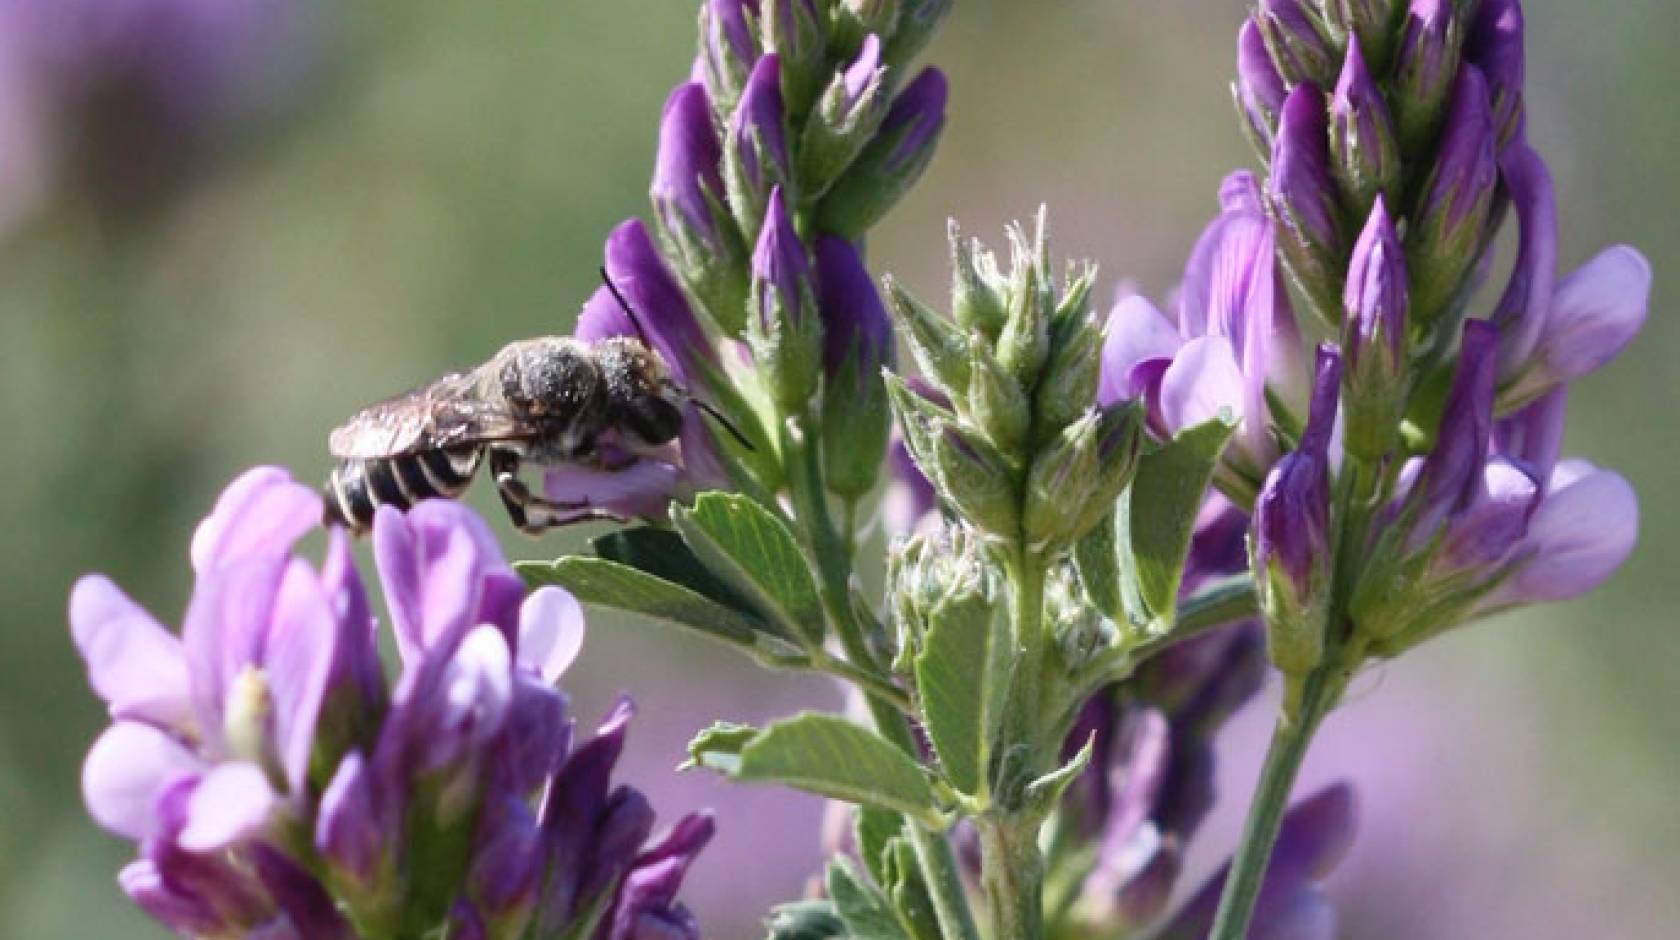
x=533 y=514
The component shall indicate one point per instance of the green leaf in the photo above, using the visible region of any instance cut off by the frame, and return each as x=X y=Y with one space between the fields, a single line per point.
x=663 y=554
x=604 y=583
x=718 y=747
x=741 y=542
x=874 y=829
x=829 y=756
x=909 y=892
x=1097 y=559
x=867 y=912
x=805 y=920
x=1045 y=793
x=1159 y=513
x=962 y=678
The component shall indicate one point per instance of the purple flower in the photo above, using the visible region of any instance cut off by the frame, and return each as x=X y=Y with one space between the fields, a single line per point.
x=1259 y=88
x=756 y=148
x=687 y=182
x=216 y=763
x=1296 y=39
x=1375 y=299
x=1584 y=528
x=914 y=123
x=1452 y=473
x=784 y=325
x=635 y=267
x=1292 y=514
x=1521 y=312
x=1364 y=149
x=728 y=49
x=1426 y=65
x=1594 y=312
x=1495 y=45
x=892 y=161
x=1303 y=194
x=1235 y=337
x=1447 y=234
x=856 y=329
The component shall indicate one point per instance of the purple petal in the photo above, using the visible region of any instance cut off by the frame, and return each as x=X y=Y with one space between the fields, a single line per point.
x=225 y=634
x=779 y=263
x=853 y=315
x=180 y=911
x=550 y=632
x=1584 y=529
x=537 y=736
x=298 y=664
x=918 y=114
x=507 y=863
x=261 y=512
x=1534 y=434
x=1521 y=314
x=1483 y=533
x=1306 y=915
x=128 y=768
x=305 y=903
x=637 y=269
x=475 y=698
x=685 y=169
x=231 y=803
x=1202 y=383
x=642 y=488
x=347 y=831
x=134 y=664
x=1137 y=332
x=432 y=562
x=1595 y=311
x=1452 y=473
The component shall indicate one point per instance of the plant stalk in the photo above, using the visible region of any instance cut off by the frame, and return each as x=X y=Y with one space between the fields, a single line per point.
x=1012 y=873
x=834 y=572
x=1288 y=748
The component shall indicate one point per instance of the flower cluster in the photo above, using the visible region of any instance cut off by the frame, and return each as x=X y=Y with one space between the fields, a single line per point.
x=795 y=135
x=279 y=786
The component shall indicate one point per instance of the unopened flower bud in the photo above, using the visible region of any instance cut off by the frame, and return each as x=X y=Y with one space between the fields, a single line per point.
x=1445 y=238
x=728 y=49
x=891 y=163
x=784 y=327
x=1364 y=149
x=1290 y=544
x=755 y=158
x=1374 y=337
x=939 y=349
x=917 y=19
x=1426 y=64
x=857 y=344
x=1366 y=23
x=977 y=301
x=793 y=30
x=1298 y=41
x=699 y=234
x=1495 y=45
x=1075 y=481
x=1070 y=381
x=1023 y=345
x=1303 y=197
x=846 y=118
x=977 y=480
x=1259 y=89
x=997 y=404
x=852 y=20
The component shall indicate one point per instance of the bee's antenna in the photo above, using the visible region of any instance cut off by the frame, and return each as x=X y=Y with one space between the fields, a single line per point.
x=722 y=419
x=624 y=305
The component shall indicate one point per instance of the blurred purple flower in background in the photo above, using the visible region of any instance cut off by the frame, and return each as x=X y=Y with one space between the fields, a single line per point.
x=122 y=103
x=276 y=784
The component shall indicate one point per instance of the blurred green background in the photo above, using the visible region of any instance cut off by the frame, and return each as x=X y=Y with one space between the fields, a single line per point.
x=443 y=186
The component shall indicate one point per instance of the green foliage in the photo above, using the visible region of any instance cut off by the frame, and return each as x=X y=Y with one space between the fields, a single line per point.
x=962 y=677
x=755 y=553
x=1158 y=515
x=826 y=755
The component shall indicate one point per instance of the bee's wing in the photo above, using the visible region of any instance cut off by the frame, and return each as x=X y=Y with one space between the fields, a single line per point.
x=450 y=412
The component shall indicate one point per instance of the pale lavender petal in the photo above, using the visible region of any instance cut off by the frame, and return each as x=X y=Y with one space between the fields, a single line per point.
x=474 y=700
x=1583 y=531
x=127 y=770
x=433 y=563
x=225 y=633
x=260 y=512
x=347 y=832
x=1534 y=434
x=1218 y=277
x=180 y=911
x=232 y=802
x=1483 y=533
x=550 y=631
x=1202 y=383
x=298 y=663
x=642 y=488
x=1137 y=332
x=134 y=664
x=1595 y=312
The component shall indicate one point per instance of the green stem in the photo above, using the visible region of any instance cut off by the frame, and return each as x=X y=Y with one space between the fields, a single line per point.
x=1012 y=873
x=834 y=571
x=1265 y=815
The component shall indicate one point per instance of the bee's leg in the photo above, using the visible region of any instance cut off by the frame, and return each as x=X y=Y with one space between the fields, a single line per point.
x=531 y=513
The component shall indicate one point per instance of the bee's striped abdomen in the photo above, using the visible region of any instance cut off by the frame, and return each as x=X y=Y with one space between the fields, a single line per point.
x=357 y=488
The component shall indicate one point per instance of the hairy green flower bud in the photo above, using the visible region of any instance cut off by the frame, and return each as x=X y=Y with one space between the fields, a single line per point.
x=852 y=20
x=940 y=351
x=794 y=31
x=891 y=163
x=996 y=403
x=846 y=118
x=1024 y=343
x=1075 y=481
x=977 y=289
x=1069 y=385
x=917 y=19
x=975 y=478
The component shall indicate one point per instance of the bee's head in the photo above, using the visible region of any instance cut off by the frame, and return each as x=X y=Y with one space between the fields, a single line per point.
x=646 y=404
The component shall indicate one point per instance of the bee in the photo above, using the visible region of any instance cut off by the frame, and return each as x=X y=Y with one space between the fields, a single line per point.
x=545 y=401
